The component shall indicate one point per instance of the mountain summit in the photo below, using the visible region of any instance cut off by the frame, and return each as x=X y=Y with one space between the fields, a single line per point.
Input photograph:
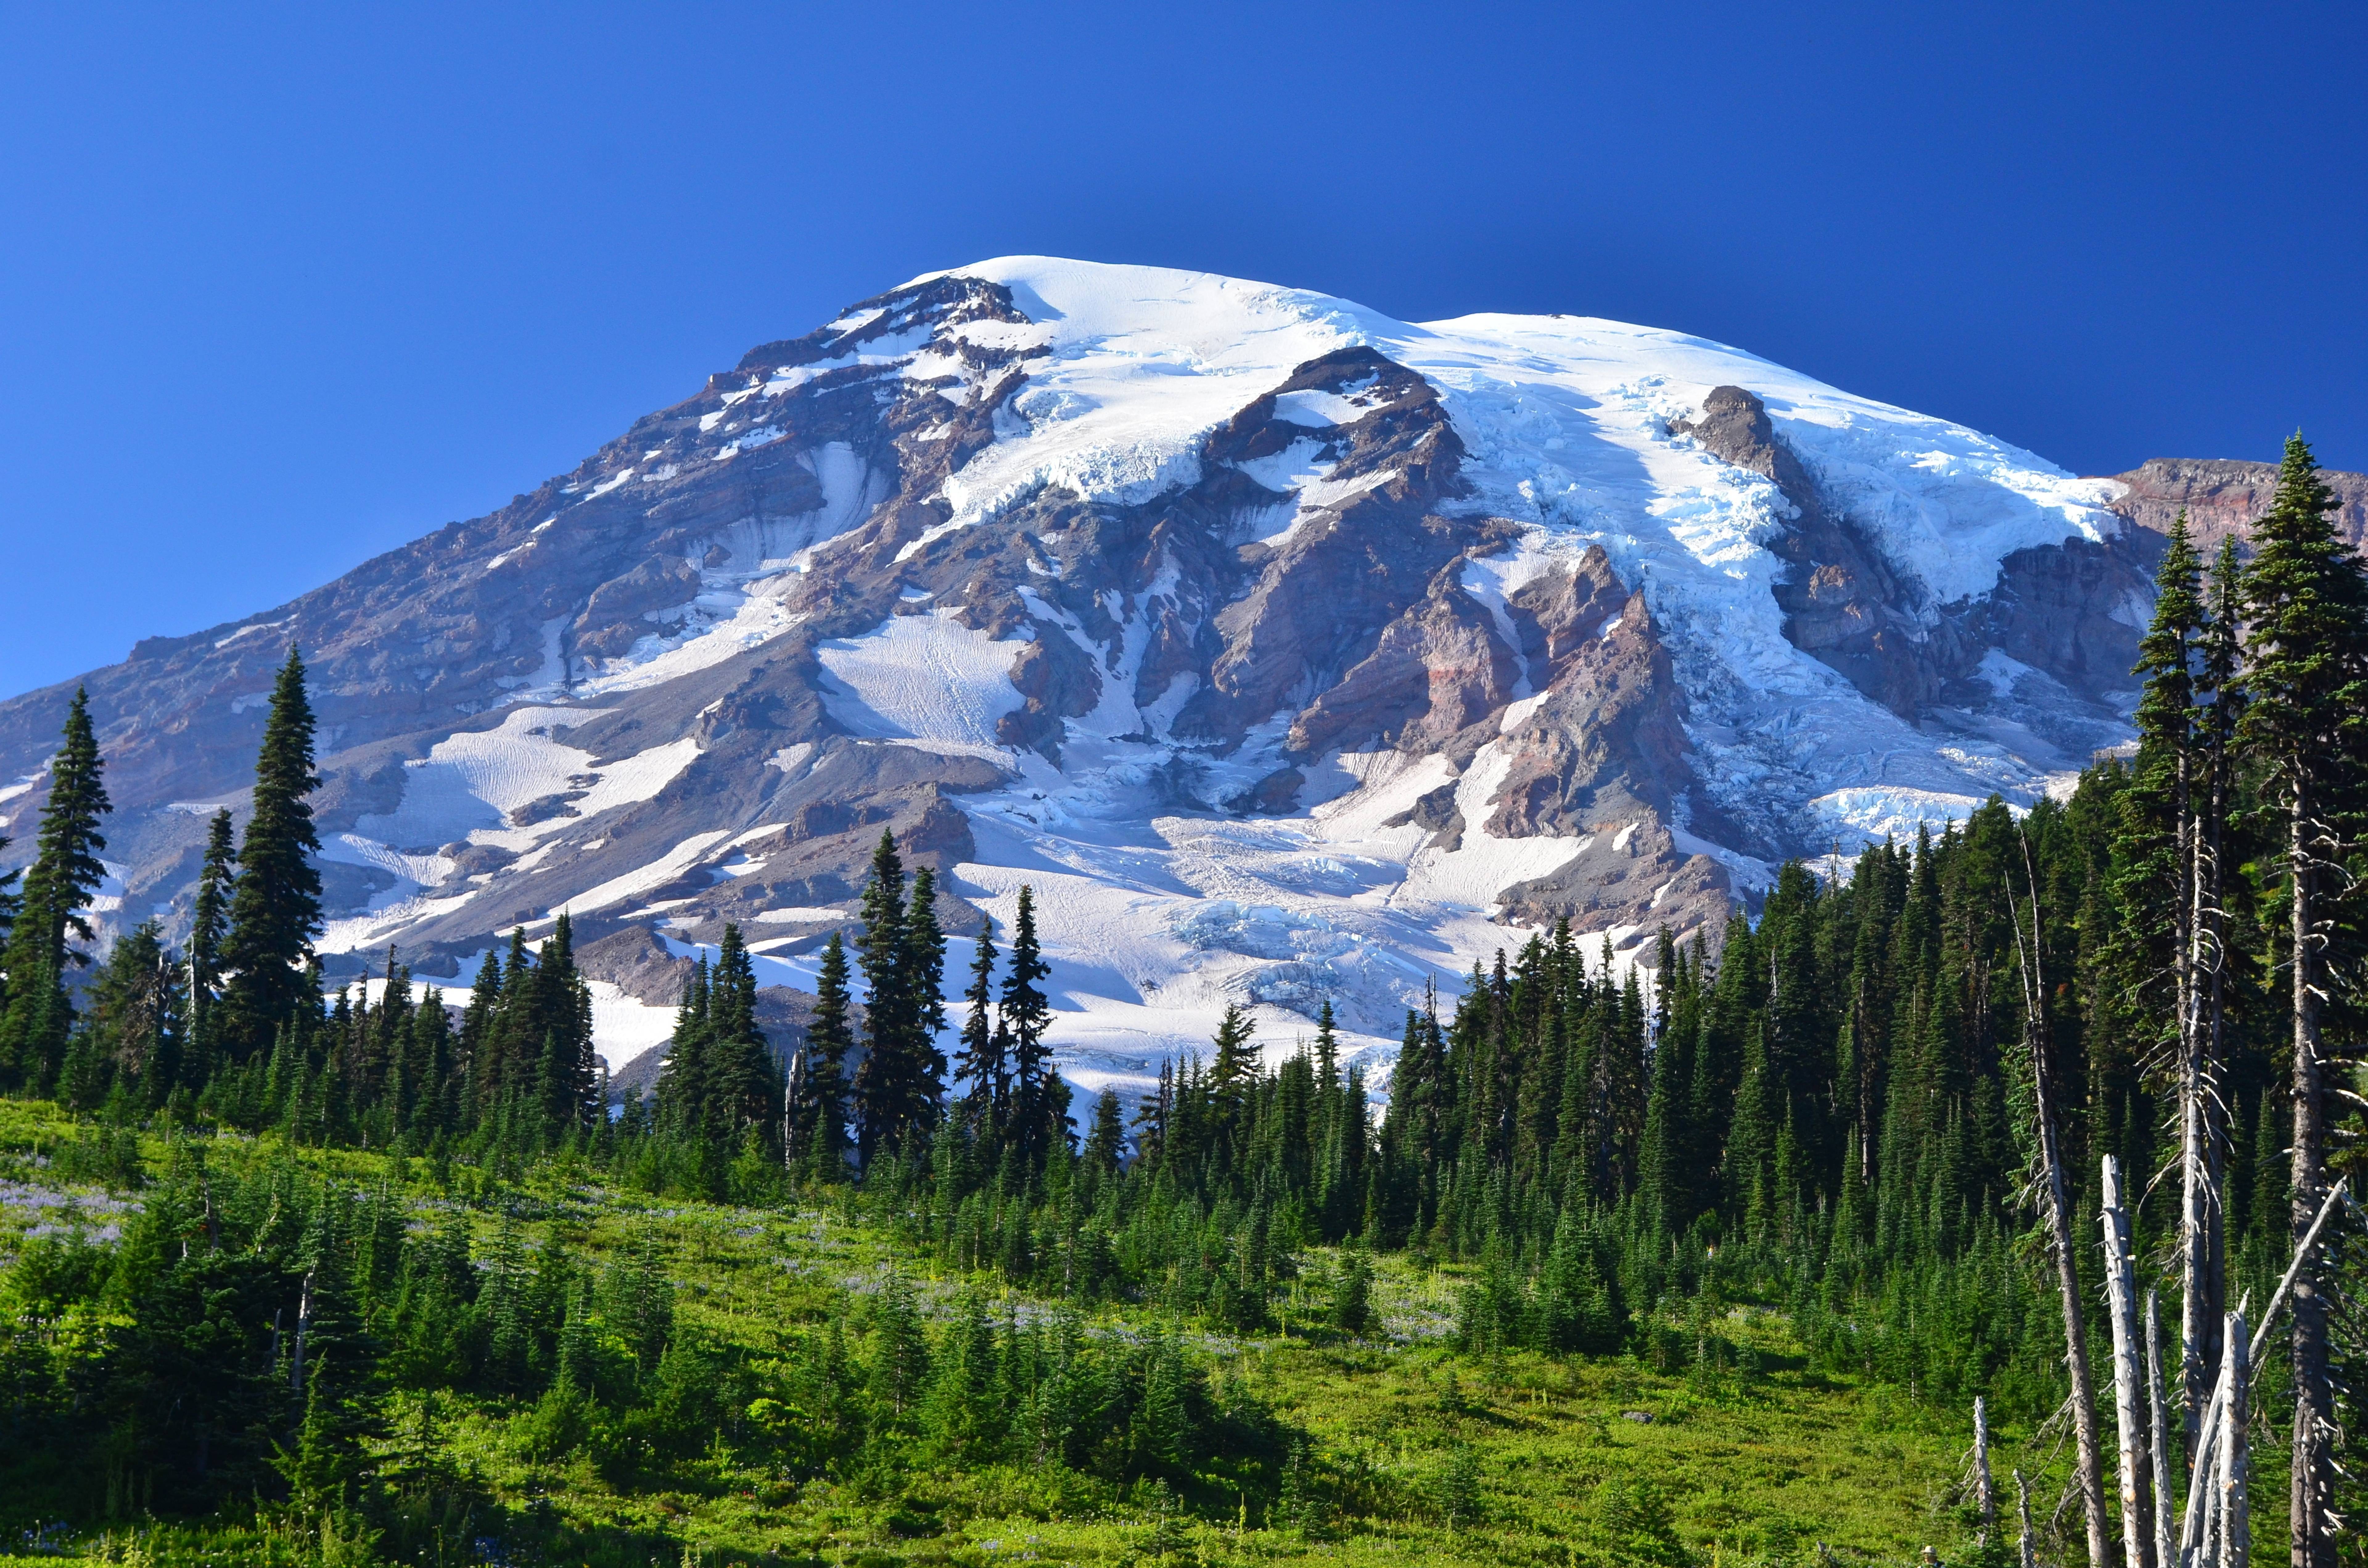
x=1293 y=653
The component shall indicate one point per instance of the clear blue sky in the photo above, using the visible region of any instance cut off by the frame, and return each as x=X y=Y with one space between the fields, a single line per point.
x=282 y=287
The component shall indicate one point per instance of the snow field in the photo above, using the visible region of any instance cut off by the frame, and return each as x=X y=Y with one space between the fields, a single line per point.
x=464 y=792
x=641 y=880
x=922 y=677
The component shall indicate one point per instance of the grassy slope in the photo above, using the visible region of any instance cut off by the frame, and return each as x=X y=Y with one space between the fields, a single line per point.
x=1744 y=1469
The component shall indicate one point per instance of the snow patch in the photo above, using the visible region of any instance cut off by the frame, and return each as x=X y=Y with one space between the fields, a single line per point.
x=1323 y=410
x=658 y=873
x=924 y=678
x=467 y=785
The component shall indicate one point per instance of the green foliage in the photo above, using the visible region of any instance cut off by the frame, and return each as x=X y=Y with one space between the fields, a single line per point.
x=276 y=908
x=48 y=916
x=1351 y=1309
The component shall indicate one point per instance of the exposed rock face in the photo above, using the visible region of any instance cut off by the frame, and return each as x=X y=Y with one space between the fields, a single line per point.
x=1844 y=604
x=1436 y=672
x=1290 y=653
x=2222 y=497
x=1604 y=758
x=1324 y=587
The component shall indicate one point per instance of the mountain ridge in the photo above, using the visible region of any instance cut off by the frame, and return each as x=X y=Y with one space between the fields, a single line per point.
x=1293 y=652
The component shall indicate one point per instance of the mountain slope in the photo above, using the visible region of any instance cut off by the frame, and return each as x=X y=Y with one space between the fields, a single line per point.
x=1291 y=652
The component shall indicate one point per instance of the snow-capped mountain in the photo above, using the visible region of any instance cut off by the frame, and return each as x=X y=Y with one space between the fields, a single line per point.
x=1292 y=653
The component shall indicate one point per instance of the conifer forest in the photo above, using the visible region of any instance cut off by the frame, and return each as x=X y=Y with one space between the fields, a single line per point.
x=1992 y=1193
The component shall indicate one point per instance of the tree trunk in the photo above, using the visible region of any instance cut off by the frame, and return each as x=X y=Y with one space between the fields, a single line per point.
x=2202 y=1265
x=789 y=1081
x=2197 y=1542
x=2130 y=1403
x=2312 y=1544
x=2089 y=1459
x=1985 y=1494
x=303 y=1329
x=2022 y=1509
x=2235 y=1537
x=2165 y=1553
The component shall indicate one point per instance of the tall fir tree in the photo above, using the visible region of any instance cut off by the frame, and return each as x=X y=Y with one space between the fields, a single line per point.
x=879 y=1089
x=745 y=1084
x=818 y=1109
x=276 y=909
x=1040 y=1101
x=978 y=1061
x=685 y=1086
x=899 y=1086
x=2306 y=722
x=924 y=987
x=209 y=925
x=2163 y=812
x=50 y=919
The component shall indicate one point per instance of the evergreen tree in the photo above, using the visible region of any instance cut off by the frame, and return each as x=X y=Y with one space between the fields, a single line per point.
x=50 y=916
x=1232 y=1077
x=745 y=1084
x=480 y=1036
x=2168 y=825
x=882 y=1087
x=924 y=984
x=2304 y=722
x=685 y=1086
x=978 y=1061
x=1351 y=1308
x=819 y=1108
x=1106 y=1144
x=134 y=1025
x=965 y=1413
x=276 y=908
x=1040 y=1100
x=10 y=904
x=898 y=1087
x=332 y=1359
x=900 y=1361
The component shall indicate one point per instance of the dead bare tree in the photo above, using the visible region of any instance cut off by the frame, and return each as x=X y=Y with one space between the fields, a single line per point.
x=1985 y=1494
x=2203 y=1114
x=2056 y=1206
x=2131 y=1407
x=2202 y=1496
x=2235 y=1535
x=2164 y=1531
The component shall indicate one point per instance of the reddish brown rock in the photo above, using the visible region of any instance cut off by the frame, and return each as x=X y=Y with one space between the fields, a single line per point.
x=2222 y=497
x=1438 y=670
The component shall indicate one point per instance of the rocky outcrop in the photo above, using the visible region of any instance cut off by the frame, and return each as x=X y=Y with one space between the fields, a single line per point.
x=1608 y=737
x=2073 y=611
x=1603 y=757
x=1843 y=603
x=1438 y=671
x=1348 y=567
x=1561 y=612
x=2222 y=497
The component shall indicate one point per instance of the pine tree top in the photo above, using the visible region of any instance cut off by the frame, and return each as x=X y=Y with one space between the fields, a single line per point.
x=2306 y=598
